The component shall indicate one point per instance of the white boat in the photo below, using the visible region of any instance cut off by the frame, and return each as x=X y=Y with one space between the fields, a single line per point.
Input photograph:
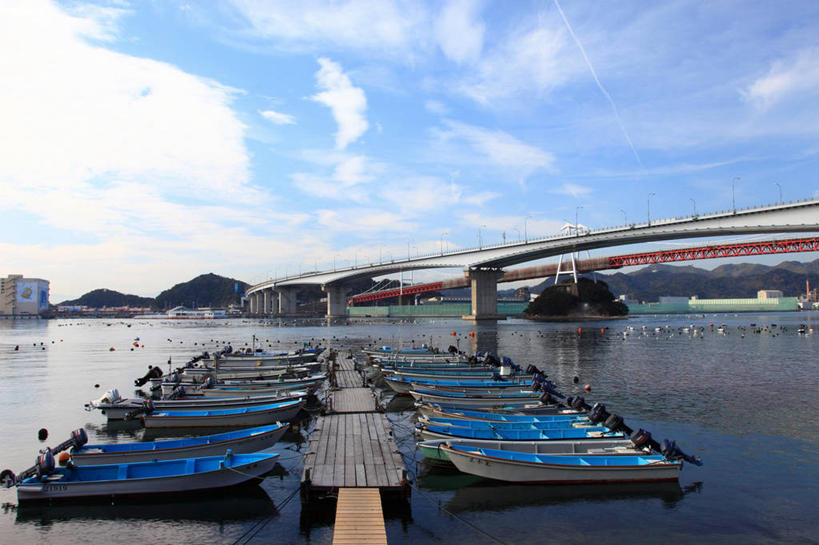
x=476 y=401
x=116 y=408
x=245 y=417
x=437 y=411
x=522 y=467
x=432 y=449
x=239 y=441
x=145 y=478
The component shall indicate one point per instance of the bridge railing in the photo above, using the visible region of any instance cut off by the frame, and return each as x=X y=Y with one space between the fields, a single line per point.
x=529 y=240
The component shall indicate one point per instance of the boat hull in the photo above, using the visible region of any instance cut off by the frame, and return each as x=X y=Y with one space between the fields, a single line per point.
x=254 y=441
x=500 y=469
x=433 y=452
x=124 y=479
x=249 y=418
x=119 y=411
x=475 y=402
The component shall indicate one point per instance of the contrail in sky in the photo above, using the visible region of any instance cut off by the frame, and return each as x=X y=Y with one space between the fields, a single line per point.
x=599 y=85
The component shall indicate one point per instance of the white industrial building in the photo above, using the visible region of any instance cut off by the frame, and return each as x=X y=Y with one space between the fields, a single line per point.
x=23 y=296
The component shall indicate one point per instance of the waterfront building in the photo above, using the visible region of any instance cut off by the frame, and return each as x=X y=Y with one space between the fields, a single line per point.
x=765 y=301
x=21 y=296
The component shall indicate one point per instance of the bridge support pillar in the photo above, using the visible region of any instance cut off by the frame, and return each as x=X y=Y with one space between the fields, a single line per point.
x=266 y=302
x=336 y=300
x=484 y=287
x=287 y=300
x=252 y=304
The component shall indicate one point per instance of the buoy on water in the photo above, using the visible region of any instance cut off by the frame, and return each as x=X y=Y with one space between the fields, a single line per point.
x=42 y=435
x=587 y=388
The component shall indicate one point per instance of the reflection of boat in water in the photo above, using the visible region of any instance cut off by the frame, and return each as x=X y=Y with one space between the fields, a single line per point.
x=477 y=494
x=240 y=503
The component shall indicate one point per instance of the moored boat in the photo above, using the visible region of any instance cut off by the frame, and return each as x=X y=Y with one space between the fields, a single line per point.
x=543 y=468
x=141 y=478
x=453 y=432
x=403 y=385
x=246 y=417
x=508 y=414
x=433 y=453
x=120 y=409
x=239 y=441
x=519 y=398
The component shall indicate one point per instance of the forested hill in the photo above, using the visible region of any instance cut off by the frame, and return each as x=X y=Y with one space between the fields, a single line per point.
x=102 y=297
x=206 y=290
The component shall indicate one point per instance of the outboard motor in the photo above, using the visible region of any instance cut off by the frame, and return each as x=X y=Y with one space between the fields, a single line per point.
x=210 y=382
x=641 y=438
x=44 y=465
x=146 y=408
x=614 y=422
x=598 y=413
x=111 y=396
x=452 y=349
x=577 y=403
x=153 y=372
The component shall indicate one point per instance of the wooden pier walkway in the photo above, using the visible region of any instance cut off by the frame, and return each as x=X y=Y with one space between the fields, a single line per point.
x=352 y=453
x=359 y=519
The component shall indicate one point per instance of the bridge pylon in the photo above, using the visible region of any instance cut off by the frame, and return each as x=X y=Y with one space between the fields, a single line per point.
x=484 y=293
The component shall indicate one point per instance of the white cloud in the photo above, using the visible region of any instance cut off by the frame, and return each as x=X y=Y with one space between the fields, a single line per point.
x=436 y=107
x=379 y=27
x=572 y=189
x=93 y=112
x=278 y=118
x=348 y=173
x=459 y=31
x=364 y=221
x=499 y=147
x=347 y=102
x=786 y=77
x=530 y=61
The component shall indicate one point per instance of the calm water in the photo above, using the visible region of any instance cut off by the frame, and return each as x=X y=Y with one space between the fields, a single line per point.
x=745 y=402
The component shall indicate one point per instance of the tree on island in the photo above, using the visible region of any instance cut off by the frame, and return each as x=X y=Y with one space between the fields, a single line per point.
x=586 y=298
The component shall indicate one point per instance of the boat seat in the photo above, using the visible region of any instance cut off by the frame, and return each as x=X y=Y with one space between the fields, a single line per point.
x=53 y=478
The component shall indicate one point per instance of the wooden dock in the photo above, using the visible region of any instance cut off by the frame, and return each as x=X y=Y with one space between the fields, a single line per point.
x=359 y=519
x=352 y=446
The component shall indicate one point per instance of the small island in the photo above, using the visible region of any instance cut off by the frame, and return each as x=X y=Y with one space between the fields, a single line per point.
x=567 y=301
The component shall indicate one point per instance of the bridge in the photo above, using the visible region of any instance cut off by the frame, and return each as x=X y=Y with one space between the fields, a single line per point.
x=484 y=265
x=716 y=251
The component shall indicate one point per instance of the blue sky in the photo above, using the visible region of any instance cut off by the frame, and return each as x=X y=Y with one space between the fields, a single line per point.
x=144 y=143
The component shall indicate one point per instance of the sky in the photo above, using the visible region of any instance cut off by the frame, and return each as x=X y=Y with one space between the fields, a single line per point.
x=145 y=143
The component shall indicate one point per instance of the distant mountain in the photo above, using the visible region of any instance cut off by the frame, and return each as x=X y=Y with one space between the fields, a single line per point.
x=726 y=281
x=109 y=298
x=206 y=290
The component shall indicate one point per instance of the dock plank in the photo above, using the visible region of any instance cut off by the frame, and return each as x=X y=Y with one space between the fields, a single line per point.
x=359 y=518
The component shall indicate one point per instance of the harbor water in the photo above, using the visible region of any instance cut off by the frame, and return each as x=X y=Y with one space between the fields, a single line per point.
x=743 y=397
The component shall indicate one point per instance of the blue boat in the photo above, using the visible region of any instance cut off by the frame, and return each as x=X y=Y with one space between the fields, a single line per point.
x=245 y=417
x=559 y=423
x=403 y=385
x=141 y=478
x=465 y=414
x=239 y=441
x=443 y=432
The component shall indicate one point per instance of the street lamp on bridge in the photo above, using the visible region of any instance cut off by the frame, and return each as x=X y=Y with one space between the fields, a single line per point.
x=525 y=231
x=694 y=204
x=480 y=239
x=445 y=233
x=625 y=218
x=648 y=207
x=733 y=202
x=576 y=228
x=780 y=192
